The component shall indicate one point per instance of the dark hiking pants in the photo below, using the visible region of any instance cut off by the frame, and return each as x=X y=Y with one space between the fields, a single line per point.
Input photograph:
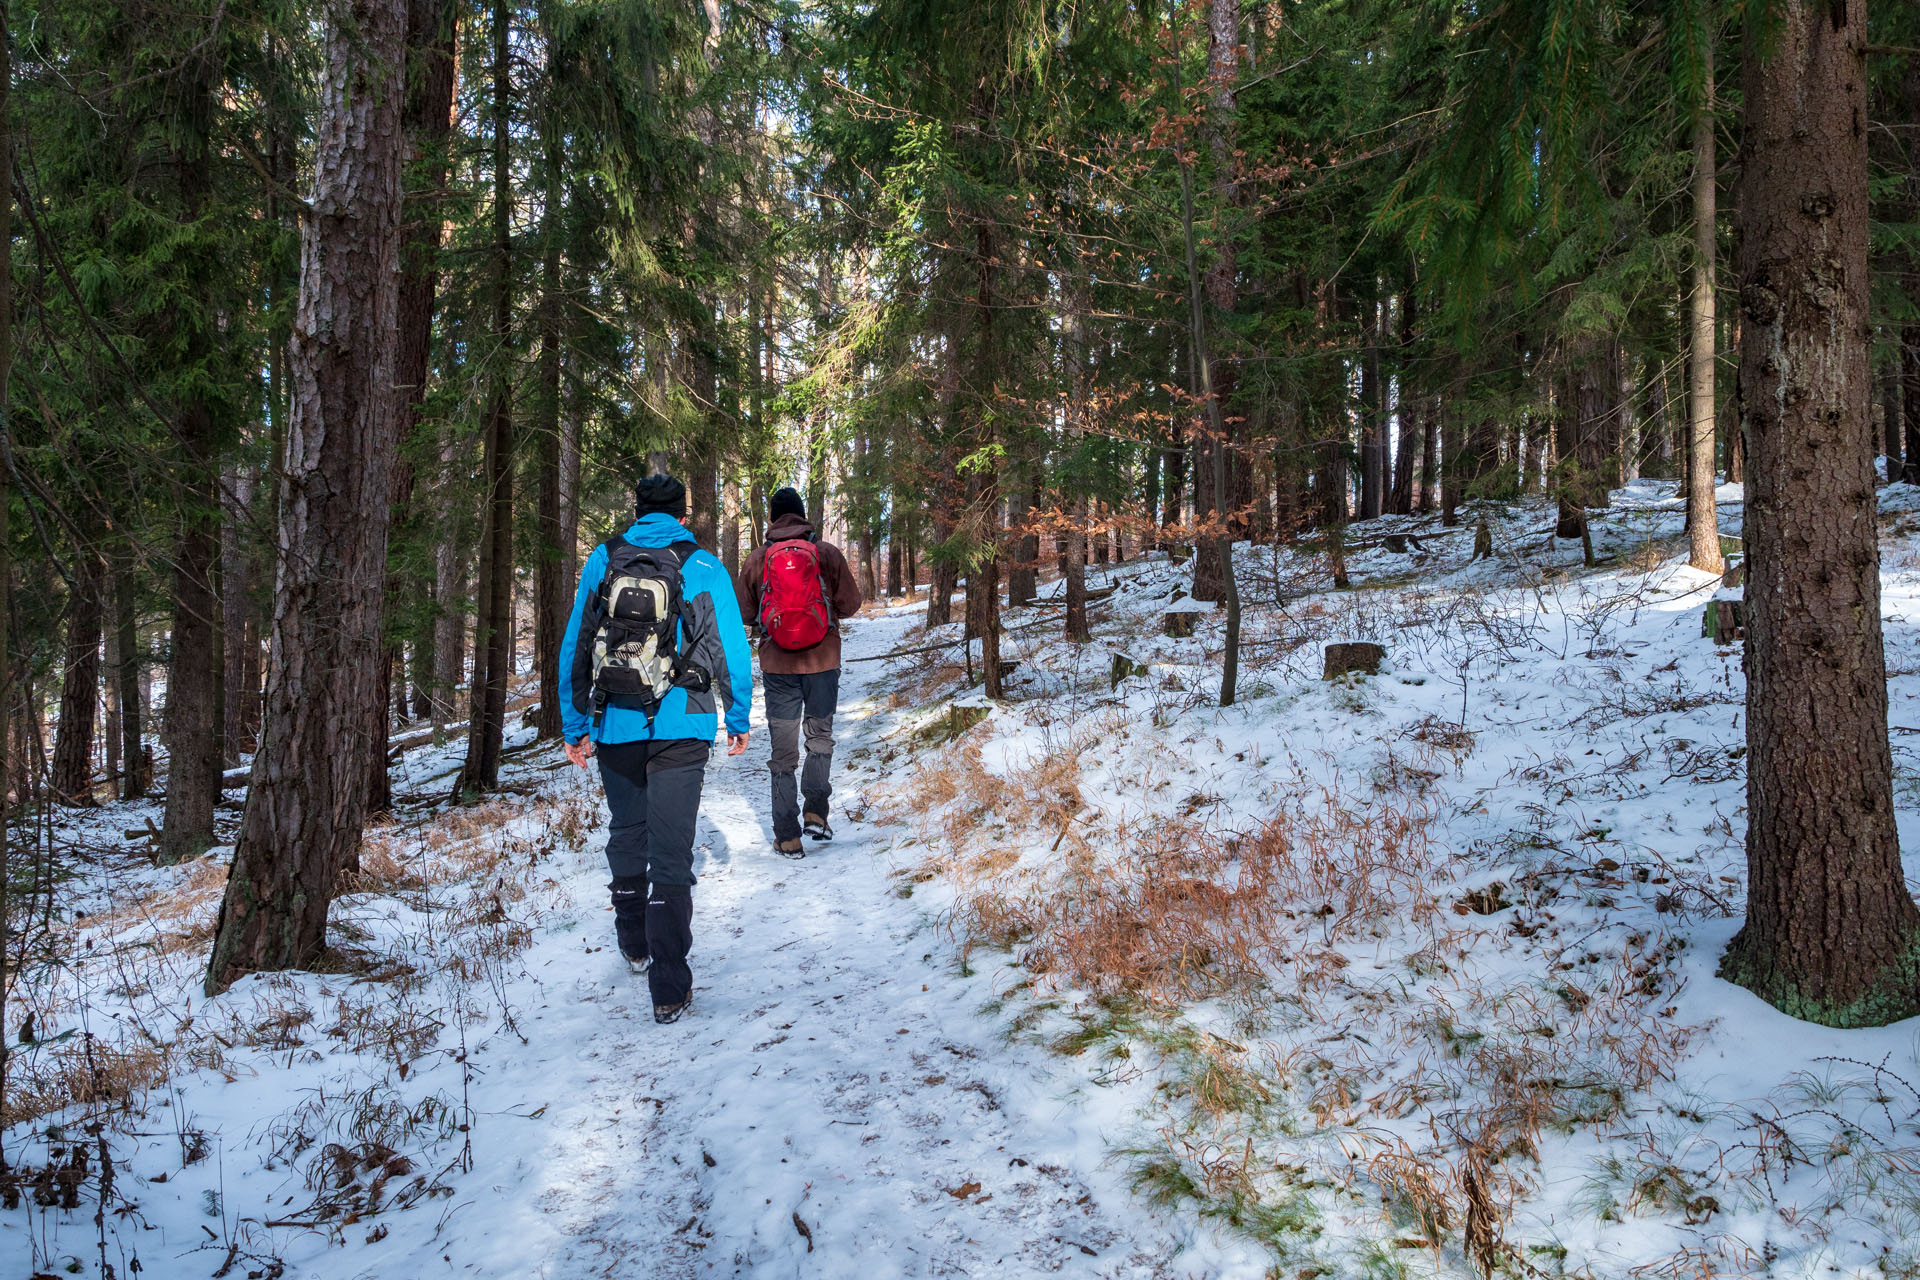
x=797 y=703
x=653 y=789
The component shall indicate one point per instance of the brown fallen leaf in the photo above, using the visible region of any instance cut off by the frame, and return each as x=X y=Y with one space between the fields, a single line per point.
x=964 y=1190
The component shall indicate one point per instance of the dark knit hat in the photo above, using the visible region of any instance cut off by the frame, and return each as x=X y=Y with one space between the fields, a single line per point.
x=660 y=493
x=786 y=501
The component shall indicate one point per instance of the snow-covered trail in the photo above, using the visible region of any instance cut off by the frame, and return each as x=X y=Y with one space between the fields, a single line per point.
x=831 y=1106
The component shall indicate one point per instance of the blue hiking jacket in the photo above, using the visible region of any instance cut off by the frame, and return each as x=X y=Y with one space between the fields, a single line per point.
x=711 y=636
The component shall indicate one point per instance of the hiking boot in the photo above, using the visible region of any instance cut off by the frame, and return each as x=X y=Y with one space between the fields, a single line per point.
x=790 y=848
x=665 y=1013
x=816 y=826
x=638 y=964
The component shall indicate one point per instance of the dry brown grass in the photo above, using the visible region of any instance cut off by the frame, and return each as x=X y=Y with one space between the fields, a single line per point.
x=1150 y=917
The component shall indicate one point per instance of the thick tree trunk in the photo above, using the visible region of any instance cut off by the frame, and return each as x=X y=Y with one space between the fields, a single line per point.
x=72 y=780
x=1703 y=520
x=308 y=793
x=1831 y=931
x=493 y=624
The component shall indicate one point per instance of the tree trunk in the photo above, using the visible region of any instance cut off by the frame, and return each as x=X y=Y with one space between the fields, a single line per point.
x=493 y=622
x=308 y=793
x=1830 y=931
x=1373 y=427
x=1703 y=519
x=1910 y=382
x=72 y=780
x=194 y=693
x=135 y=775
x=552 y=597
x=236 y=501
x=1429 y=451
x=1589 y=415
x=1406 y=453
x=1023 y=507
x=1891 y=417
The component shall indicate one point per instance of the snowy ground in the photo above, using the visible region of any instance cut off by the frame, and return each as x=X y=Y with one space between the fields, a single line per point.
x=835 y=1105
x=1381 y=977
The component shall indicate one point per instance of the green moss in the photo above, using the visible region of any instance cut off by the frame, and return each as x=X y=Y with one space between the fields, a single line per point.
x=948 y=725
x=1893 y=997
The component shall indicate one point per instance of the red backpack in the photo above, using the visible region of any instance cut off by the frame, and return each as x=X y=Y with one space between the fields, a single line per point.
x=793 y=599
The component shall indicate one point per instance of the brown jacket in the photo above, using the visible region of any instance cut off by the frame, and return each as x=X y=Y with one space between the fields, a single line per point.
x=843 y=594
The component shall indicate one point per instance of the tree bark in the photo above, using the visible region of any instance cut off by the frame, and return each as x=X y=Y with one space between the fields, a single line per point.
x=1023 y=504
x=493 y=623
x=1589 y=415
x=194 y=712
x=1373 y=427
x=72 y=778
x=552 y=594
x=1406 y=453
x=236 y=501
x=1703 y=518
x=135 y=773
x=1831 y=931
x=308 y=794
x=1212 y=492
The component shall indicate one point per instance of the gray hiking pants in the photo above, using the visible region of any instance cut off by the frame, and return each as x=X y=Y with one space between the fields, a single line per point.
x=797 y=705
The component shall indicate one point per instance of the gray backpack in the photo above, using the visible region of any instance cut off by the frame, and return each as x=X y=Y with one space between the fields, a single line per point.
x=626 y=653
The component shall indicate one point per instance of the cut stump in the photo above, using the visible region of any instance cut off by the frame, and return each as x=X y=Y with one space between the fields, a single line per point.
x=1362 y=656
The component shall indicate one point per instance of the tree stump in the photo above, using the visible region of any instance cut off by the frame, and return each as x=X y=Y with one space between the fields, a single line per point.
x=1124 y=668
x=1179 y=624
x=1725 y=620
x=1482 y=539
x=1361 y=656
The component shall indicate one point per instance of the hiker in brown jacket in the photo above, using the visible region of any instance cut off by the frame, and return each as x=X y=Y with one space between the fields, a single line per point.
x=796 y=589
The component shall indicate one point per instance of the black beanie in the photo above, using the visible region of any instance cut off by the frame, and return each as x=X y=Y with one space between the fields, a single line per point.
x=786 y=501
x=660 y=493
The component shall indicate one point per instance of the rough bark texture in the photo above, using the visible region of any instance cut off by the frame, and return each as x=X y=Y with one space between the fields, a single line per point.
x=194 y=694
x=307 y=798
x=1830 y=932
x=493 y=621
x=72 y=780
x=426 y=118
x=1703 y=522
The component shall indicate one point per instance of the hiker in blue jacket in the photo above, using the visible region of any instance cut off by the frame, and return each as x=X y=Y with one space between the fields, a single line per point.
x=650 y=717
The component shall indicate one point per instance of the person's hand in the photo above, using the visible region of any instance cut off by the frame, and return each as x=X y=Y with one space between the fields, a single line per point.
x=737 y=743
x=580 y=752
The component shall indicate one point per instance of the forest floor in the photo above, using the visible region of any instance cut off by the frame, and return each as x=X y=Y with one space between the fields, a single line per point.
x=834 y=1105
x=1383 y=976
